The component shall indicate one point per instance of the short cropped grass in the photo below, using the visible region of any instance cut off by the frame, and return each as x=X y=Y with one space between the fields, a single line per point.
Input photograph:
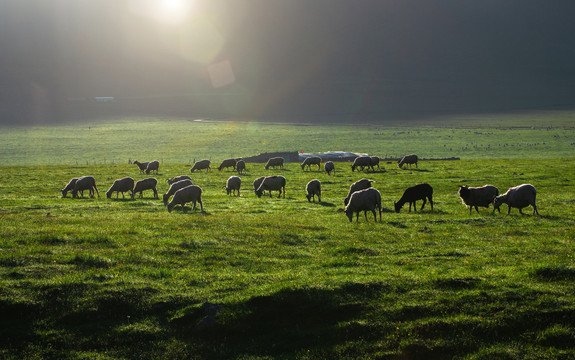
x=260 y=278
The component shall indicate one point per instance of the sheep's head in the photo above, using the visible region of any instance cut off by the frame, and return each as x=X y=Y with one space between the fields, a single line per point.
x=397 y=206
x=498 y=201
x=64 y=192
x=349 y=214
x=308 y=196
x=109 y=194
x=463 y=190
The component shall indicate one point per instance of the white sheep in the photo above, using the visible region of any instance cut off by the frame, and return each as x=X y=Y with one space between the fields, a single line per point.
x=121 y=186
x=153 y=166
x=312 y=189
x=361 y=162
x=309 y=161
x=192 y=193
x=241 y=166
x=85 y=183
x=408 y=159
x=478 y=196
x=272 y=183
x=233 y=185
x=146 y=184
x=175 y=179
x=518 y=197
x=142 y=166
x=276 y=161
x=201 y=165
x=364 y=200
x=69 y=187
x=257 y=183
x=358 y=185
x=175 y=187
x=329 y=167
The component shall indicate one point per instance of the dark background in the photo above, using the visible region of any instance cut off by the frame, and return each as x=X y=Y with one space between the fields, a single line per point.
x=291 y=60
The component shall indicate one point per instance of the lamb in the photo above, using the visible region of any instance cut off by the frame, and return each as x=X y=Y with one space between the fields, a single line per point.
x=478 y=196
x=85 y=183
x=241 y=166
x=329 y=167
x=519 y=197
x=412 y=194
x=175 y=179
x=312 y=189
x=362 y=162
x=228 y=163
x=233 y=184
x=364 y=200
x=69 y=187
x=276 y=161
x=356 y=186
x=373 y=162
x=146 y=184
x=276 y=182
x=121 y=186
x=192 y=193
x=257 y=183
x=175 y=187
x=201 y=165
x=309 y=161
x=408 y=159
x=143 y=166
x=153 y=166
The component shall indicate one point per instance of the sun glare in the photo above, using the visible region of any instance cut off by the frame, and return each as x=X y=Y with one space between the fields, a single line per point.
x=166 y=11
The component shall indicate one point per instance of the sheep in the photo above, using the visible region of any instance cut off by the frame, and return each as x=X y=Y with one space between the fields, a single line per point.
x=478 y=196
x=121 y=186
x=257 y=183
x=366 y=200
x=276 y=161
x=519 y=197
x=313 y=188
x=153 y=166
x=412 y=194
x=276 y=182
x=358 y=185
x=85 y=183
x=241 y=166
x=233 y=184
x=309 y=161
x=201 y=165
x=175 y=187
x=175 y=179
x=142 y=166
x=192 y=193
x=69 y=187
x=228 y=163
x=329 y=167
x=146 y=184
x=361 y=161
x=373 y=162
x=408 y=159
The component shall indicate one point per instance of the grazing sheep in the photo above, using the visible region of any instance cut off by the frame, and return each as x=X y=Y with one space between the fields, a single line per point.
x=153 y=166
x=412 y=194
x=201 y=165
x=257 y=183
x=69 y=187
x=312 y=189
x=373 y=162
x=146 y=184
x=233 y=184
x=228 y=163
x=276 y=161
x=356 y=186
x=518 y=197
x=364 y=200
x=175 y=187
x=329 y=167
x=142 y=166
x=241 y=166
x=192 y=193
x=85 y=183
x=408 y=159
x=478 y=196
x=276 y=182
x=361 y=162
x=121 y=186
x=309 y=161
x=175 y=179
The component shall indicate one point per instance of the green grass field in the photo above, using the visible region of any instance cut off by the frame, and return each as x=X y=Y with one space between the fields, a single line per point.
x=105 y=279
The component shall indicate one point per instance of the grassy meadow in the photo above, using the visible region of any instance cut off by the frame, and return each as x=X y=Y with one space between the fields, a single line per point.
x=275 y=278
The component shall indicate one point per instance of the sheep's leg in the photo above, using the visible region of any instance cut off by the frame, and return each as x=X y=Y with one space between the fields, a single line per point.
x=521 y=211
x=374 y=215
x=535 y=209
x=422 y=205
x=155 y=193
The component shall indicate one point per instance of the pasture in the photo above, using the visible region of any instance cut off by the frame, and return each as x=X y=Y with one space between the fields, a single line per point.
x=260 y=278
